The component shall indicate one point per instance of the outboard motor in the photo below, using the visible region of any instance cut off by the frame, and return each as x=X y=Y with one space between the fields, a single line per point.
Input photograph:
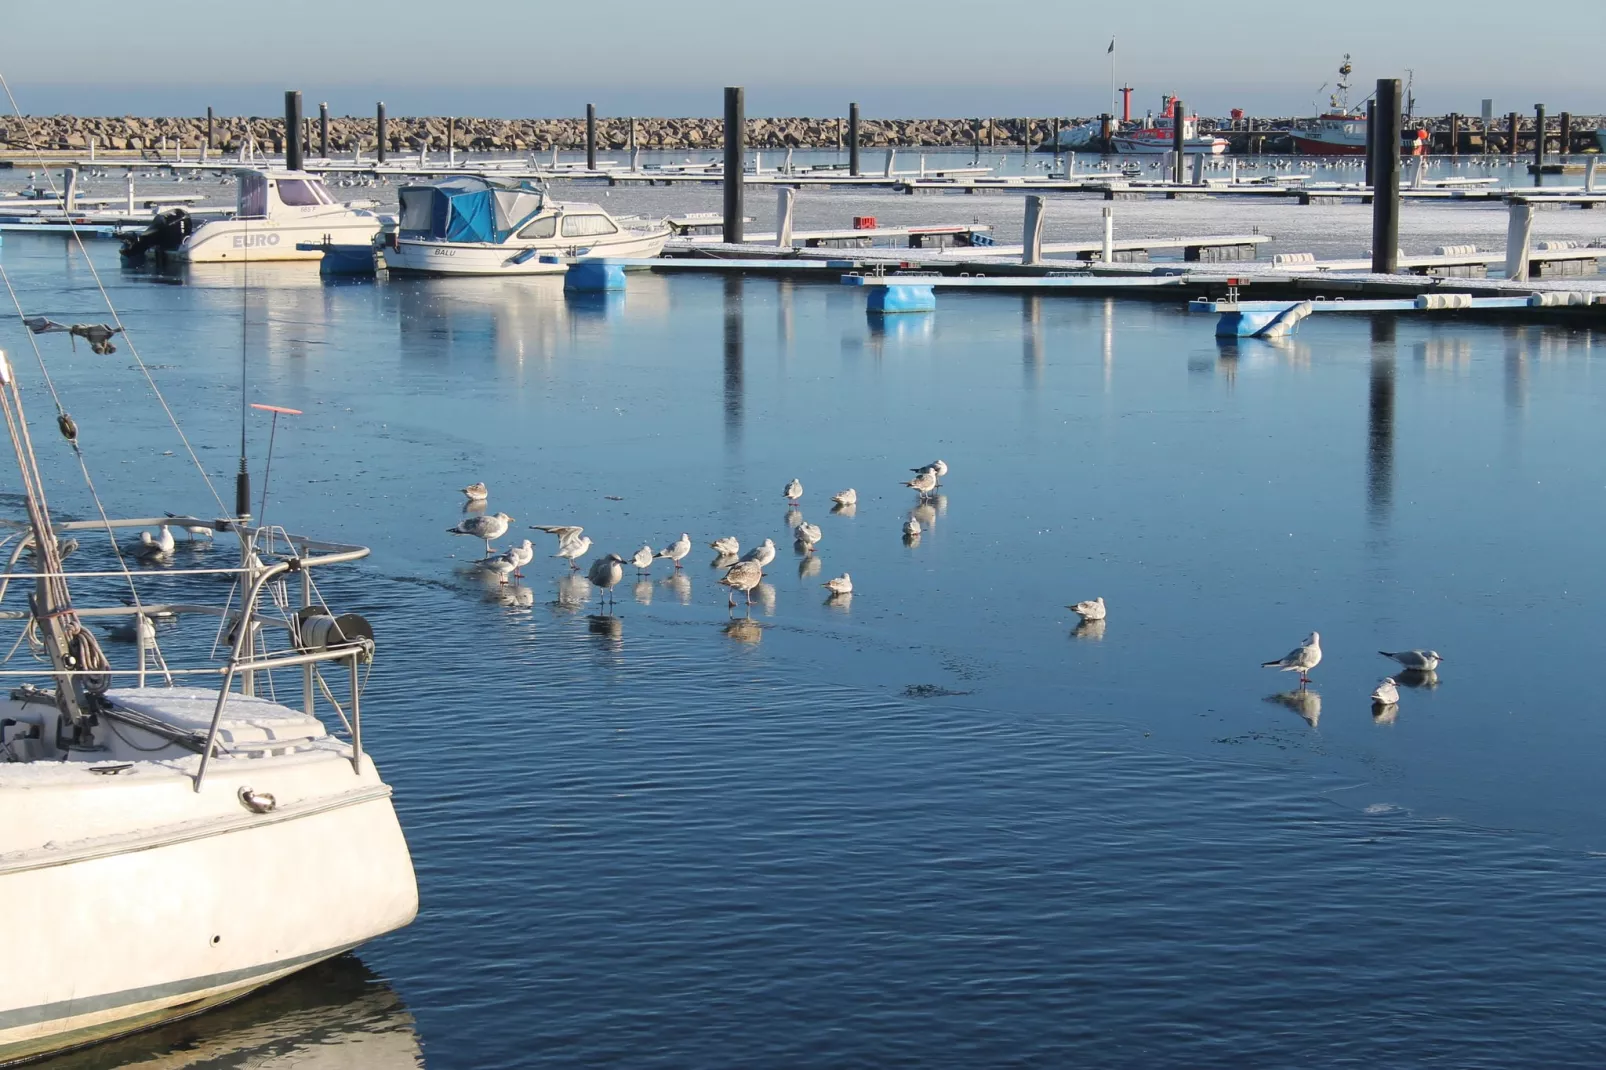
x=165 y=234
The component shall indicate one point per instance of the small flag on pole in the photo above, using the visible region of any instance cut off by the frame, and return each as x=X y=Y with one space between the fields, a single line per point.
x=1111 y=49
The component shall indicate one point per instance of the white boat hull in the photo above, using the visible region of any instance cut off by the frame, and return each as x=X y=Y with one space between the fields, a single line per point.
x=170 y=905
x=427 y=257
x=1128 y=146
x=235 y=240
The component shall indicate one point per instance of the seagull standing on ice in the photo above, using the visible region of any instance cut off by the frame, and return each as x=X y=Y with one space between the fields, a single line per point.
x=938 y=468
x=807 y=535
x=726 y=547
x=743 y=576
x=510 y=561
x=1302 y=659
x=489 y=527
x=572 y=545
x=762 y=554
x=605 y=573
x=842 y=584
x=643 y=559
x=925 y=482
x=476 y=492
x=793 y=490
x=677 y=549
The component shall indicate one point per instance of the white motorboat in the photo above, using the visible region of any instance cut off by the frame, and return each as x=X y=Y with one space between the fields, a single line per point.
x=475 y=226
x=177 y=834
x=1156 y=134
x=276 y=211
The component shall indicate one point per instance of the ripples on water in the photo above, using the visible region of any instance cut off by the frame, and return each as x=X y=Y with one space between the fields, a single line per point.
x=940 y=823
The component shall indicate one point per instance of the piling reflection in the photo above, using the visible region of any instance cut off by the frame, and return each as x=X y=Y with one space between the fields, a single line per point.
x=1516 y=361
x=1380 y=421
x=1032 y=347
x=734 y=360
x=335 y=1014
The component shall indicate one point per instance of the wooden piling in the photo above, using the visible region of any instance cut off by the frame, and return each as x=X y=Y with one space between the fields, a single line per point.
x=451 y=140
x=591 y=136
x=292 y=130
x=210 y=143
x=1511 y=142
x=1179 y=144
x=853 y=140
x=1386 y=178
x=1539 y=136
x=1566 y=133
x=323 y=130
x=1455 y=134
x=735 y=158
x=379 y=129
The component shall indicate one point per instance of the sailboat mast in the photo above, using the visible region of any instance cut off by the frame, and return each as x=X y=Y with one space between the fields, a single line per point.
x=52 y=607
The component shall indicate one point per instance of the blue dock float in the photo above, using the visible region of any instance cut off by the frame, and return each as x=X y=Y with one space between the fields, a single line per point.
x=356 y=260
x=1270 y=319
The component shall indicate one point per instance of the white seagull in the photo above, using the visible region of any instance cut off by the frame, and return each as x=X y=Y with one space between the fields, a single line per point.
x=572 y=545
x=1415 y=660
x=938 y=468
x=842 y=584
x=846 y=497
x=476 y=492
x=677 y=549
x=1093 y=610
x=807 y=534
x=793 y=490
x=510 y=561
x=925 y=482
x=1302 y=659
x=154 y=546
x=643 y=558
x=727 y=546
x=1386 y=694
x=762 y=554
x=490 y=527
x=911 y=528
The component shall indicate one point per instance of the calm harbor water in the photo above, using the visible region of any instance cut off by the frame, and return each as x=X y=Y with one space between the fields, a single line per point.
x=939 y=824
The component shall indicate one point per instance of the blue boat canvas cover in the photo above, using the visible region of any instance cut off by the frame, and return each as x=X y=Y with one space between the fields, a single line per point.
x=467 y=209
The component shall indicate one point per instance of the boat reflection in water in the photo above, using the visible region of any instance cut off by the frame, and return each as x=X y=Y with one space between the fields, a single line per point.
x=338 y=1014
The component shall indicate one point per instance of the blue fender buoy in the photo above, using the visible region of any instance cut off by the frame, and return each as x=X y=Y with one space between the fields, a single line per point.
x=593 y=276
x=901 y=297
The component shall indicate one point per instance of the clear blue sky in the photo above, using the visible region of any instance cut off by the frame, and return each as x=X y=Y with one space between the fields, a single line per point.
x=896 y=57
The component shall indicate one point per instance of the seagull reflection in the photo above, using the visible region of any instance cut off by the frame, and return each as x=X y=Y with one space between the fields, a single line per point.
x=511 y=595
x=844 y=510
x=1092 y=630
x=842 y=602
x=939 y=502
x=474 y=508
x=744 y=630
x=574 y=593
x=809 y=566
x=764 y=595
x=607 y=626
x=793 y=519
x=1423 y=678
x=723 y=561
x=926 y=513
x=678 y=585
x=1385 y=714
x=642 y=591
x=1305 y=702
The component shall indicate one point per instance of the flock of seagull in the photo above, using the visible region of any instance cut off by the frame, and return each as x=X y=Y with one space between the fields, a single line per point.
x=1418 y=668
x=745 y=571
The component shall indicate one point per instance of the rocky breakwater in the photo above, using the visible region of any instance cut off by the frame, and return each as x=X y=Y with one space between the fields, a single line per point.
x=403 y=133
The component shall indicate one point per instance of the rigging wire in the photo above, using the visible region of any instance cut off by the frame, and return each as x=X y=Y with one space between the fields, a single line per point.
x=117 y=320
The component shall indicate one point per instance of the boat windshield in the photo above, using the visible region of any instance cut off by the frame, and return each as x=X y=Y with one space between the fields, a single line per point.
x=301 y=192
x=587 y=226
x=545 y=227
